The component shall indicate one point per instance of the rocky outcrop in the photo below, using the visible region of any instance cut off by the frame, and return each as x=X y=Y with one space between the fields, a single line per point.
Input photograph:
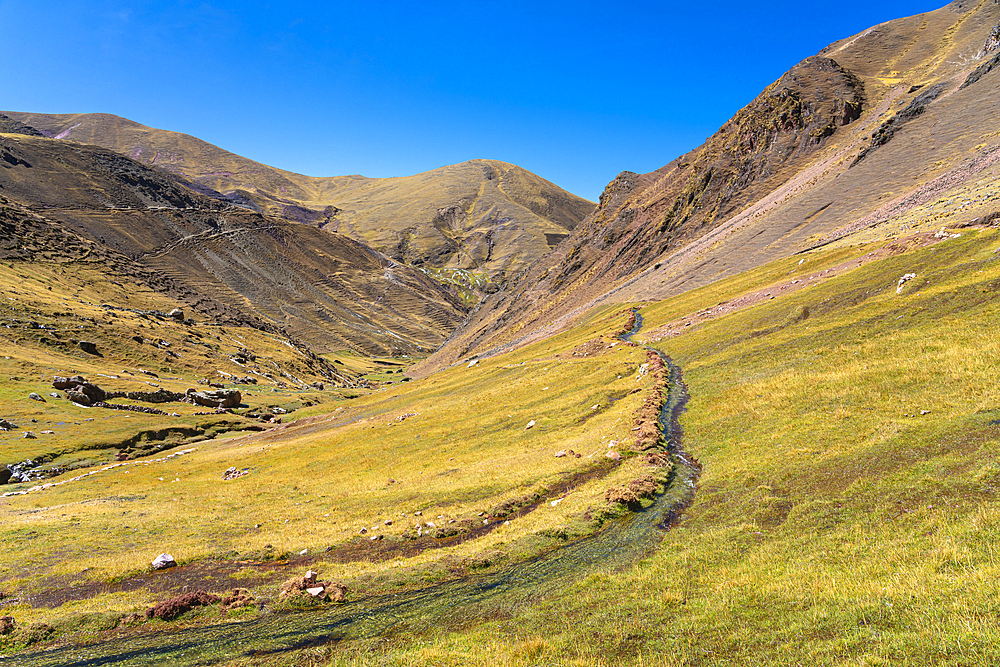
x=642 y=216
x=216 y=398
x=79 y=390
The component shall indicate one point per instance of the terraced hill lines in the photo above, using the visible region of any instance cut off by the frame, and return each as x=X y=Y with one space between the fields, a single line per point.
x=333 y=292
x=482 y=215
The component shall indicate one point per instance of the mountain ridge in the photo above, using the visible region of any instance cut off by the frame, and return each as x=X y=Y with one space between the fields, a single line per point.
x=483 y=215
x=781 y=177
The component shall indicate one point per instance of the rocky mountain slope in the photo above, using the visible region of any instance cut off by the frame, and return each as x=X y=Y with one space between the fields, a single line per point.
x=224 y=260
x=890 y=130
x=482 y=215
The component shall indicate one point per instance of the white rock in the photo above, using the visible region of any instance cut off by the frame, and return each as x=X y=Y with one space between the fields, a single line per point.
x=530 y=424
x=164 y=561
x=316 y=592
x=613 y=455
x=561 y=453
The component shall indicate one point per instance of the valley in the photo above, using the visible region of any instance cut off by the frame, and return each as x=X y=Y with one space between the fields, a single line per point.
x=742 y=411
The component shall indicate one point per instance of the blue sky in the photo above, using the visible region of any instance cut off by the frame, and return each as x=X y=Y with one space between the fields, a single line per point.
x=574 y=91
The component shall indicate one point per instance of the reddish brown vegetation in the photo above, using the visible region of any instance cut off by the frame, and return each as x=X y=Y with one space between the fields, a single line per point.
x=174 y=607
x=647 y=418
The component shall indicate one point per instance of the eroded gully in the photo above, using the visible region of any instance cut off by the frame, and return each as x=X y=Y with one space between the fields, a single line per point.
x=617 y=545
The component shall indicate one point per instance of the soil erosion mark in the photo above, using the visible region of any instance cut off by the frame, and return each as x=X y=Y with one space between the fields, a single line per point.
x=620 y=543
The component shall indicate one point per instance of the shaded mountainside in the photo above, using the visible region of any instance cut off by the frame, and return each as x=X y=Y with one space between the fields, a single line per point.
x=481 y=215
x=838 y=149
x=225 y=260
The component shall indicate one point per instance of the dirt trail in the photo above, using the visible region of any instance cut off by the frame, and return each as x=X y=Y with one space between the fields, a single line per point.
x=689 y=323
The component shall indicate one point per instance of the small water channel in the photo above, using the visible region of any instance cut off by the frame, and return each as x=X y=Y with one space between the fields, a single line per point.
x=619 y=544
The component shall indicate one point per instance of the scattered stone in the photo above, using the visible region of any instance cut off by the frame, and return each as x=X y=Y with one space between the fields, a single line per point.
x=530 y=425
x=53 y=394
x=28 y=435
x=925 y=412
x=35 y=397
x=6 y=625
x=88 y=347
x=233 y=473
x=613 y=455
x=561 y=453
x=362 y=531
x=473 y=363
x=164 y=561
x=388 y=522
x=903 y=279
x=176 y=314
x=317 y=592
x=48 y=432
x=7 y=425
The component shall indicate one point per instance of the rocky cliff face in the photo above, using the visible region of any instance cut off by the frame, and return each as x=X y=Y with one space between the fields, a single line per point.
x=823 y=146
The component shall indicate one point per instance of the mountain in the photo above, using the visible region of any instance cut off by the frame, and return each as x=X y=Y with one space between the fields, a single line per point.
x=223 y=259
x=481 y=215
x=852 y=144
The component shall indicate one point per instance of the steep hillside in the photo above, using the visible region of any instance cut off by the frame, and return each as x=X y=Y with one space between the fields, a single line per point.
x=894 y=129
x=481 y=215
x=331 y=291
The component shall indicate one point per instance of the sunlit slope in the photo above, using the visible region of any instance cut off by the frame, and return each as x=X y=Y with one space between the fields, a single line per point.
x=325 y=288
x=441 y=454
x=847 y=511
x=483 y=215
x=854 y=140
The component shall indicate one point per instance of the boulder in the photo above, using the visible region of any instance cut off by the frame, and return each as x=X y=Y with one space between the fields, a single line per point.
x=35 y=397
x=164 y=561
x=88 y=347
x=78 y=397
x=79 y=390
x=176 y=314
x=7 y=425
x=216 y=398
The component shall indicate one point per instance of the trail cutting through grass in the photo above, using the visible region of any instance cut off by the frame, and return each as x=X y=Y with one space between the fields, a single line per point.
x=620 y=543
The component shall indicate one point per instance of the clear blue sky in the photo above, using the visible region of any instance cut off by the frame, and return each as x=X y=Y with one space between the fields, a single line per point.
x=574 y=91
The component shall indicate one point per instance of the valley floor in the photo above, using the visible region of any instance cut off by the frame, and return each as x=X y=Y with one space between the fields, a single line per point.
x=847 y=513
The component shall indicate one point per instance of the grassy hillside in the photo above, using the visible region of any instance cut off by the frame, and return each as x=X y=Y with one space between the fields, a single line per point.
x=845 y=513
